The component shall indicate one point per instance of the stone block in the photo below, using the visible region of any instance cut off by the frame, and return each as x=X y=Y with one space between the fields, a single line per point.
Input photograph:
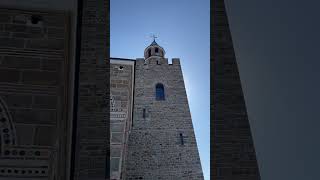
x=52 y=65
x=115 y=151
x=5 y=18
x=116 y=137
x=17 y=100
x=40 y=78
x=51 y=44
x=45 y=102
x=7 y=42
x=35 y=116
x=56 y=32
x=45 y=135
x=9 y=76
x=25 y=134
x=19 y=62
x=114 y=164
x=117 y=127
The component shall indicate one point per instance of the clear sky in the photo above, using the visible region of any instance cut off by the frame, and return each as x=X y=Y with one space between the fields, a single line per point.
x=183 y=28
x=277 y=48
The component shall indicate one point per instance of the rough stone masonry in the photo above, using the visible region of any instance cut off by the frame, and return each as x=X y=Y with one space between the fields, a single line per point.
x=158 y=141
x=53 y=53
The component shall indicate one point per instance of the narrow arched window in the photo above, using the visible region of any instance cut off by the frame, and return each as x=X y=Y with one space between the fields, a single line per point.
x=181 y=139
x=156 y=50
x=149 y=53
x=159 y=92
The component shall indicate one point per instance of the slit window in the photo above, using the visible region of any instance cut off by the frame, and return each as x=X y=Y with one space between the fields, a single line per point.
x=144 y=113
x=159 y=92
x=181 y=139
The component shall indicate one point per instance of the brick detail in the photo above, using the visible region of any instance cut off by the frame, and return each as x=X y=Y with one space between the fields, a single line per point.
x=154 y=145
x=92 y=138
x=34 y=94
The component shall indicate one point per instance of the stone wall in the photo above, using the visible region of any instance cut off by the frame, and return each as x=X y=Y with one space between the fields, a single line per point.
x=155 y=148
x=232 y=145
x=34 y=102
x=92 y=122
x=121 y=79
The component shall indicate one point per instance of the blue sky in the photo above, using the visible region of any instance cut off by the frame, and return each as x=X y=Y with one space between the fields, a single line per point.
x=183 y=29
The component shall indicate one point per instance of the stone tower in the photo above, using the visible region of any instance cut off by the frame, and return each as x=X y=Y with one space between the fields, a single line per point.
x=232 y=148
x=161 y=142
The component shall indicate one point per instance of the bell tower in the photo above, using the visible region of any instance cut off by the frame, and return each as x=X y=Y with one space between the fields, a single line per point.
x=154 y=50
x=161 y=142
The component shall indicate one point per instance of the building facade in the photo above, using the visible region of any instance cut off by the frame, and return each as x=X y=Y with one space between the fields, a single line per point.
x=54 y=112
x=152 y=135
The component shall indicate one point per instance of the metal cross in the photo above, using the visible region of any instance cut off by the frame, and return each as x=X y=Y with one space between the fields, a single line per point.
x=154 y=37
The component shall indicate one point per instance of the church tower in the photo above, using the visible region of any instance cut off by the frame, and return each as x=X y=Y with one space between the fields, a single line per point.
x=161 y=140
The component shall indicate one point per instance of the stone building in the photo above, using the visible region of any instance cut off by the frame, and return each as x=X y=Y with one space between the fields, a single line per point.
x=152 y=134
x=54 y=100
x=54 y=116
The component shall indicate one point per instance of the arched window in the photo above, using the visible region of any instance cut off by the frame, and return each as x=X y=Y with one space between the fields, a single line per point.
x=159 y=92
x=149 y=53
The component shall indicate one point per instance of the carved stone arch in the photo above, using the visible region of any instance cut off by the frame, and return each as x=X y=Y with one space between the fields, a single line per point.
x=8 y=132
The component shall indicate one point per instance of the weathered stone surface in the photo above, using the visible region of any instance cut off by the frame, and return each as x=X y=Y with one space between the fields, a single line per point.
x=92 y=119
x=55 y=44
x=33 y=96
x=20 y=62
x=161 y=143
x=40 y=78
x=17 y=100
x=45 y=135
x=121 y=97
x=35 y=116
x=25 y=134
x=11 y=42
x=9 y=75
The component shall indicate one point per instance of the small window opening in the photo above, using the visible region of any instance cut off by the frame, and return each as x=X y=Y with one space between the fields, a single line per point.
x=181 y=139
x=120 y=67
x=159 y=92
x=156 y=50
x=149 y=52
x=144 y=113
x=35 y=19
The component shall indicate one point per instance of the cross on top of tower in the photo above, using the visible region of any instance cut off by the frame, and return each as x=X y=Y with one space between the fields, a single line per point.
x=154 y=49
x=154 y=37
x=154 y=43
